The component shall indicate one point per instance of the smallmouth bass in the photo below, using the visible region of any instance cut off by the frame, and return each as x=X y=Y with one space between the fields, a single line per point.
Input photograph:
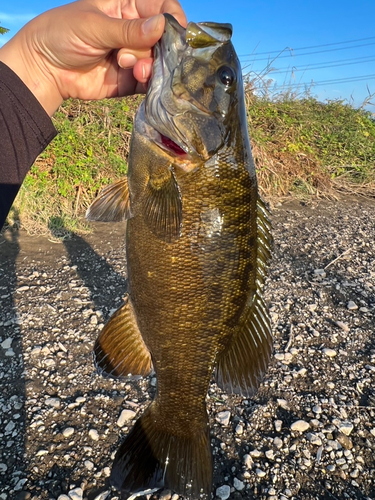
x=197 y=246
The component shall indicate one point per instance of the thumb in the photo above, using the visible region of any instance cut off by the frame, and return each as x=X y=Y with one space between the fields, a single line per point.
x=134 y=34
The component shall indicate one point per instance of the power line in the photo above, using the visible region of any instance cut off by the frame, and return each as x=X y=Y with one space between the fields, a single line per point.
x=316 y=66
x=305 y=48
x=326 y=82
x=309 y=53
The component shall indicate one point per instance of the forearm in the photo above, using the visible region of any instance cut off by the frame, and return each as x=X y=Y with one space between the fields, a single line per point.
x=25 y=131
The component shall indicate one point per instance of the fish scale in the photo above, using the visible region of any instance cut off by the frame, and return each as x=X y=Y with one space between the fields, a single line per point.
x=197 y=246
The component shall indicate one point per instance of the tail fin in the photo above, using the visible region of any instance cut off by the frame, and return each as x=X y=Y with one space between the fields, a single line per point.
x=152 y=457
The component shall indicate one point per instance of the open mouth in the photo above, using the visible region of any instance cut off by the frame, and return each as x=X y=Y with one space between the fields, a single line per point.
x=172 y=146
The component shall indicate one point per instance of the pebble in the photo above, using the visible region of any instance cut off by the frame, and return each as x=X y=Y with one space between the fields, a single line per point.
x=314 y=439
x=320 y=273
x=54 y=402
x=88 y=464
x=278 y=442
x=346 y=428
x=68 y=432
x=3 y=467
x=223 y=417
x=223 y=492
x=125 y=416
x=6 y=344
x=76 y=494
x=63 y=497
x=331 y=353
x=103 y=495
x=343 y=326
x=239 y=485
x=352 y=306
x=278 y=425
x=300 y=426
x=248 y=461
x=260 y=472
x=239 y=429
x=94 y=434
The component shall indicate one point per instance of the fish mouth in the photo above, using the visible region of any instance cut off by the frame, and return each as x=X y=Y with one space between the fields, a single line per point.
x=160 y=107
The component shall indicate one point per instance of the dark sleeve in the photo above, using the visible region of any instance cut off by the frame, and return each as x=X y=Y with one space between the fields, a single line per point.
x=25 y=131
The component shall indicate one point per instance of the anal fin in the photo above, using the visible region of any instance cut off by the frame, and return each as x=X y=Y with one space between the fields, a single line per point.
x=241 y=366
x=119 y=349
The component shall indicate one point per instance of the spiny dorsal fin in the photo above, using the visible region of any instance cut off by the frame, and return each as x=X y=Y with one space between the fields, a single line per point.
x=241 y=366
x=162 y=206
x=112 y=204
x=119 y=349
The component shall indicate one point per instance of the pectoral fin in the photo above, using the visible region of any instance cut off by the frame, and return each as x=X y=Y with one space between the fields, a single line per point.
x=242 y=365
x=119 y=349
x=112 y=204
x=162 y=206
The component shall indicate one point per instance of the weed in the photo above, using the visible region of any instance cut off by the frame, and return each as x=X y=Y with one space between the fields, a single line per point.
x=301 y=147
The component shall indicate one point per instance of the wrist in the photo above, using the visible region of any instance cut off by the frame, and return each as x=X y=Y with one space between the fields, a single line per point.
x=32 y=70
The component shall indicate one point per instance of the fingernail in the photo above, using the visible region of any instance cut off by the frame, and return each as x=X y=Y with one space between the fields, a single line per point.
x=127 y=61
x=152 y=24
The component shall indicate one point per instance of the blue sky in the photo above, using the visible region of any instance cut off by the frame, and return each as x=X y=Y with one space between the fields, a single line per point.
x=339 y=37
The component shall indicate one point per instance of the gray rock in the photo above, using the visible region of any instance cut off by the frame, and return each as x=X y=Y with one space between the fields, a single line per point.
x=223 y=492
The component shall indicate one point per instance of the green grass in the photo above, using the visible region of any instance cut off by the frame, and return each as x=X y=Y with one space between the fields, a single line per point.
x=301 y=147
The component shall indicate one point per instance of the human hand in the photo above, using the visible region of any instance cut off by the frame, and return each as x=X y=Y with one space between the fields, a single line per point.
x=89 y=49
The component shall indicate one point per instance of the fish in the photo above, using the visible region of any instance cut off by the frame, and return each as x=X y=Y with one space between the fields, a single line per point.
x=198 y=243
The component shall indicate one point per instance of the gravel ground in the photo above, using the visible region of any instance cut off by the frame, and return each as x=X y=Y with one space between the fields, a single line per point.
x=308 y=434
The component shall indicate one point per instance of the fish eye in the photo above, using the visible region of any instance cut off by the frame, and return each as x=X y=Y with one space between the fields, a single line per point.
x=227 y=76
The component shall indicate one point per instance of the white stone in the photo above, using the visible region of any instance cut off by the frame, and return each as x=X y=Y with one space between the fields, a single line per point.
x=278 y=425
x=63 y=497
x=88 y=464
x=331 y=353
x=69 y=431
x=94 y=434
x=20 y=484
x=125 y=416
x=239 y=429
x=248 y=461
x=278 y=442
x=300 y=426
x=102 y=496
x=54 y=402
x=223 y=417
x=3 y=467
x=6 y=344
x=314 y=439
x=346 y=428
x=223 y=492
x=9 y=427
x=343 y=326
x=76 y=494
x=239 y=485
x=352 y=306
x=260 y=472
